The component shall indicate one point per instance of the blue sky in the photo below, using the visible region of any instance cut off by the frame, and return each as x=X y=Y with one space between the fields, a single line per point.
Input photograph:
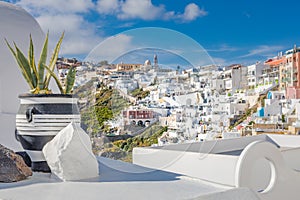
x=137 y=45
x=232 y=31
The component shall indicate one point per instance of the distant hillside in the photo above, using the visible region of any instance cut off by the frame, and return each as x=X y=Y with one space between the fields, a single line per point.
x=122 y=149
x=100 y=107
x=104 y=105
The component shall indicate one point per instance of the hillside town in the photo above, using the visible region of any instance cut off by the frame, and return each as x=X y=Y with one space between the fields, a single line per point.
x=198 y=103
x=120 y=100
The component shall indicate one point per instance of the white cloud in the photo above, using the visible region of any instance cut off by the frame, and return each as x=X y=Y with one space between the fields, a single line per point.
x=264 y=50
x=58 y=16
x=223 y=48
x=80 y=34
x=111 y=48
x=56 y=25
x=144 y=9
x=126 y=25
x=54 y=6
x=108 y=6
x=192 y=12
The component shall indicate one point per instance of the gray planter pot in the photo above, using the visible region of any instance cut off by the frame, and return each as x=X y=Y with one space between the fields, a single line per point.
x=39 y=119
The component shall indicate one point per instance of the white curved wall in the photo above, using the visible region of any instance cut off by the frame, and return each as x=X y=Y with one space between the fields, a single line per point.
x=15 y=25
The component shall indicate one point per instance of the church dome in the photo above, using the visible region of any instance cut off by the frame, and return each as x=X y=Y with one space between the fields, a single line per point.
x=147 y=62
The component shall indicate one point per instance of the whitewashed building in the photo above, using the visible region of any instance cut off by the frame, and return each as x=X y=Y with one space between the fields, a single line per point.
x=254 y=74
x=126 y=85
x=235 y=78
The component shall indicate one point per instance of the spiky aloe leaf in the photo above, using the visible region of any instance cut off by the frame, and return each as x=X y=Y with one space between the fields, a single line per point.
x=70 y=80
x=35 y=75
x=23 y=61
x=22 y=64
x=53 y=60
x=10 y=48
x=42 y=63
x=55 y=78
x=32 y=62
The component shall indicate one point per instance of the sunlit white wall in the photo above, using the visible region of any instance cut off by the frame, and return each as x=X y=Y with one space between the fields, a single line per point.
x=15 y=25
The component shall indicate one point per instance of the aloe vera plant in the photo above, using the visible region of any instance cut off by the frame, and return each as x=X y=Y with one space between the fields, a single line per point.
x=38 y=76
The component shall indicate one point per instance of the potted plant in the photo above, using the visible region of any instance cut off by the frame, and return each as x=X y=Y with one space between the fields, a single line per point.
x=42 y=114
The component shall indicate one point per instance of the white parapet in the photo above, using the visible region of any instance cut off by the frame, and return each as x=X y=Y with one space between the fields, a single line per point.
x=16 y=25
x=266 y=164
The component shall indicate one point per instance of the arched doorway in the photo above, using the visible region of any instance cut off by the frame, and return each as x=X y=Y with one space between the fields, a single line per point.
x=147 y=123
x=140 y=123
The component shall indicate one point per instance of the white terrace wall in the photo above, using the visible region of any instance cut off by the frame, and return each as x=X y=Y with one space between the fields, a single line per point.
x=267 y=164
x=15 y=25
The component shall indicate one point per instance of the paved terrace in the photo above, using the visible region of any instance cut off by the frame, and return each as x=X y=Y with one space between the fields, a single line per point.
x=119 y=180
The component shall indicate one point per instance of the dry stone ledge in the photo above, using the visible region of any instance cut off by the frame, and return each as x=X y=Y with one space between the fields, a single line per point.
x=69 y=154
x=12 y=166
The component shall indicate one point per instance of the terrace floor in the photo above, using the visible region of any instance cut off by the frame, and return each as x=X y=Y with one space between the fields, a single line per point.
x=119 y=180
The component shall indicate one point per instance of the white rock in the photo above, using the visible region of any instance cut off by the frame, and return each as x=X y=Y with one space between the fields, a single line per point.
x=69 y=155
